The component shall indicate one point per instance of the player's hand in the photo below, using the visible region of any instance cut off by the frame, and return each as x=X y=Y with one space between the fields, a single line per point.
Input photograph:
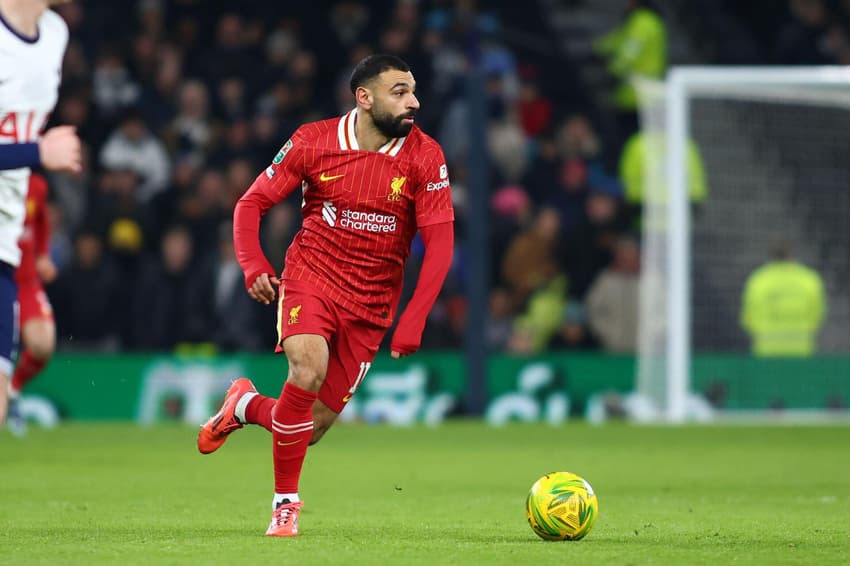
x=263 y=288
x=59 y=150
x=45 y=268
x=404 y=343
x=406 y=339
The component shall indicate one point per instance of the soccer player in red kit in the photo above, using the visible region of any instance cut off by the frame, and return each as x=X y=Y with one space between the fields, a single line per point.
x=38 y=330
x=370 y=181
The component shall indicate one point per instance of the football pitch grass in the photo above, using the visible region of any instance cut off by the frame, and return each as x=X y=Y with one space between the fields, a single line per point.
x=122 y=494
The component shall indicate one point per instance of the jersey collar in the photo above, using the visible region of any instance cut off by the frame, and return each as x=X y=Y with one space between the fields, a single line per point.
x=347 y=139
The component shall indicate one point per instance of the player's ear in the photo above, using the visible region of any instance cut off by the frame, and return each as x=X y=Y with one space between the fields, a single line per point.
x=364 y=97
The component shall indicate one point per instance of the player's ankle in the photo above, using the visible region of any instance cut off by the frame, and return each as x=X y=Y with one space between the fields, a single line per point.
x=284 y=498
x=242 y=406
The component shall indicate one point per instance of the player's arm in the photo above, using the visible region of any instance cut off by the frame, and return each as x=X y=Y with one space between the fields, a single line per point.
x=44 y=265
x=439 y=249
x=269 y=188
x=434 y=218
x=57 y=150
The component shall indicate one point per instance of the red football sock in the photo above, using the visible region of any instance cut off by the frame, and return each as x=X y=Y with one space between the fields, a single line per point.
x=28 y=367
x=259 y=411
x=292 y=428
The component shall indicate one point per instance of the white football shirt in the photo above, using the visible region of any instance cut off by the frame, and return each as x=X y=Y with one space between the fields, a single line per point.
x=30 y=73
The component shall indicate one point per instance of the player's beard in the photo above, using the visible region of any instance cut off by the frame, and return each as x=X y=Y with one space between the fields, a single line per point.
x=392 y=126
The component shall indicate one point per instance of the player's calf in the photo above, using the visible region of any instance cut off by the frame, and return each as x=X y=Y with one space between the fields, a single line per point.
x=323 y=419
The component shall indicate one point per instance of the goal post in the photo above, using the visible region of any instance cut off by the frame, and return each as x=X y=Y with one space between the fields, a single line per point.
x=742 y=110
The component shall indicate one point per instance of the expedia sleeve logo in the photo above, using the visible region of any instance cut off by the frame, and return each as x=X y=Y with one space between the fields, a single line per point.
x=443 y=183
x=437 y=186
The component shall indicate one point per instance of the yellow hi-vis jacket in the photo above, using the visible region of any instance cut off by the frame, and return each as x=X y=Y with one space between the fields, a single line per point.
x=783 y=308
x=638 y=47
x=642 y=161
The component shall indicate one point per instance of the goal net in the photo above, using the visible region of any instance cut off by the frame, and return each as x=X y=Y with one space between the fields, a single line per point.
x=772 y=148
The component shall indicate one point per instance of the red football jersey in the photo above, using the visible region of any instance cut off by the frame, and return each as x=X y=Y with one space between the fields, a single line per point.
x=361 y=210
x=35 y=238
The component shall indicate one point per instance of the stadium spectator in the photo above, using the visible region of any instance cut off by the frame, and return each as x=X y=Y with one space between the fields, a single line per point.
x=508 y=148
x=157 y=100
x=85 y=297
x=539 y=321
x=811 y=37
x=636 y=48
x=783 y=306
x=589 y=246
x=61 y=244
x=640 y=164
x=233 y=53
x=191 y=130
x=117 y=213
x=574 y=333
x=537 y=286
x=235 y=319
x=512 y=212
x=500 y=322
x=535 y=110
x=567 y=167
x=113 y=87
x=612 y=301
x=266 y=134
x=232 y=98
x=234 y=143
x=531 y=260
x=204 y=209
x=71 y=191
x=173 y=302
x=133 y=147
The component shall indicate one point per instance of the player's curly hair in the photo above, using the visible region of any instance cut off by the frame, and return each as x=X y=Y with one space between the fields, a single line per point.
x=374 y=65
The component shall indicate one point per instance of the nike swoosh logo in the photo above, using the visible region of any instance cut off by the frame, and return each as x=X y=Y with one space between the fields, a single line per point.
x=324 y=177
x=279 y=443
x=346 y=399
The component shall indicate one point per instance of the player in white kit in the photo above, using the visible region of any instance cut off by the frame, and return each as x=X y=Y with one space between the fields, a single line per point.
x=32 y=46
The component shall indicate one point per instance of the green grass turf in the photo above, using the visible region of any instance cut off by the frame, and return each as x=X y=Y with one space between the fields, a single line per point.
x=117 y=493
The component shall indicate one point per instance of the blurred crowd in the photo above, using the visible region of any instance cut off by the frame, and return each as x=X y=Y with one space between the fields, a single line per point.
x=794 y=32
x=181 y=103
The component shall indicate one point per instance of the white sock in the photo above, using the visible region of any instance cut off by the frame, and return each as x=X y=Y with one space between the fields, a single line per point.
x=242 y=404
x=279 y=497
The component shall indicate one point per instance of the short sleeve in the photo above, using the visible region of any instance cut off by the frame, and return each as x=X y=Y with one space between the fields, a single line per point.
x=434 y=192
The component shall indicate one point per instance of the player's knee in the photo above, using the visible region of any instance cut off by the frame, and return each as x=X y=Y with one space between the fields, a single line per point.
x=41 y=350
x=306 y=376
